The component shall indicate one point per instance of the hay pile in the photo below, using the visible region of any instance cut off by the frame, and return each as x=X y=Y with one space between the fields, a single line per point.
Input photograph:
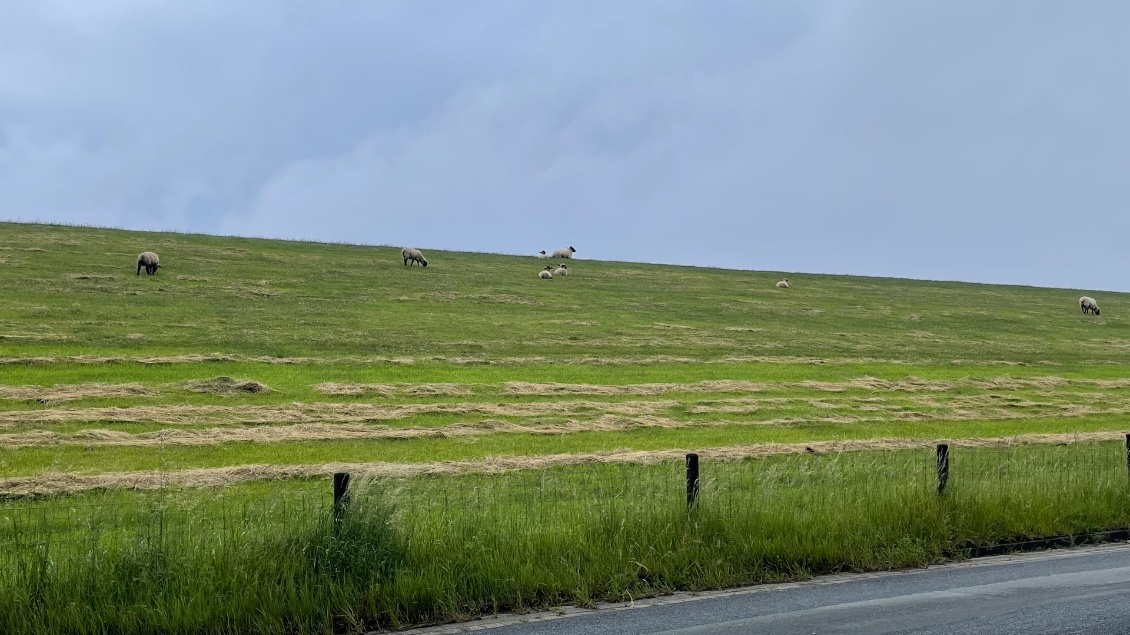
x=223 y=385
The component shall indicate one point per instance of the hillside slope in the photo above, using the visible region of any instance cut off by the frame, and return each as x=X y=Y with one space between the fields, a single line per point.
x=71 y=291
x=342 y=355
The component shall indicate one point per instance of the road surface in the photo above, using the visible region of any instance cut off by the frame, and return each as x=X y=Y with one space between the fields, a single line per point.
x=1085 y=590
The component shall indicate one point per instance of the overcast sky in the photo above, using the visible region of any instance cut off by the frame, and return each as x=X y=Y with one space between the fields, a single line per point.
x=982 y=141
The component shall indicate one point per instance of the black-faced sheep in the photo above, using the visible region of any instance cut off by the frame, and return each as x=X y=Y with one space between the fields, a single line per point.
x=1088 y=305
x=411 y=255
x=564 y=253
x=561 y=270
x=783 y=284
x=546 y=274
x=150 y=261
x=542 y=255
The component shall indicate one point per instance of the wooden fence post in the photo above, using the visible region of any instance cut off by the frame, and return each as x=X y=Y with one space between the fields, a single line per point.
x=341 y=495
x=943 y=467
x=692 y=480
x=1128 y=456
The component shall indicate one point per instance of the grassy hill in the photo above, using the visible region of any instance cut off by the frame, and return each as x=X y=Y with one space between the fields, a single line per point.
x=166 y=441
x=367 y=358
x=73 y=291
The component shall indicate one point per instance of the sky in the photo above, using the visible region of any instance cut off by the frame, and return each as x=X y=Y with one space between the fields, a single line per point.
x=948 y=139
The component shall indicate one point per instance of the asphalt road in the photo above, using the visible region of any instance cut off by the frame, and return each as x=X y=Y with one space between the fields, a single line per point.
x=1069 y=591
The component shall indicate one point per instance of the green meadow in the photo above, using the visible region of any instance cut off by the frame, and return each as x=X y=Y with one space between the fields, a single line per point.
x=160 y=434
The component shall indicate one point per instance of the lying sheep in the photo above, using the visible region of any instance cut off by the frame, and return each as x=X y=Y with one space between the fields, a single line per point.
x=783 y=284
x=546 y=274
x=561 y=270
x=564 y=253
x=542 y=255
x=1088 y=305
x=413 y=255
x=150 y=261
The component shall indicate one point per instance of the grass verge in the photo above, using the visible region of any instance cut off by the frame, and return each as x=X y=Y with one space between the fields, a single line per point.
x=429 y=549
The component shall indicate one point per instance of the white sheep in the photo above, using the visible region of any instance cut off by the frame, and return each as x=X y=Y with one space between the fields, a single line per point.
x=542 y=255
x=561 y=270
x=411 y=255
x=546 y=274
x=1088 y=305
x=564 y=253
x=783 y=284
x=150 y=261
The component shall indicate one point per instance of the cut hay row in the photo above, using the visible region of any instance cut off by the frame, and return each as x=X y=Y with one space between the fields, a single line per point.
x=908 y=384
x=312 y=432
x=530 y=360
x=849 y=409
x=319 y=412
x=61 y=393
x=334 y=432
x=54 y=484
x=389 y=390
x=70 y=392
x=721 y=385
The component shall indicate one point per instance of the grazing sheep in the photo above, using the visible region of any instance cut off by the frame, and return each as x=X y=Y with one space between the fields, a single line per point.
x=546 y=274
x=561 y=270
x=542 y=254
x=150 y=261
x=783 y=284
x=413 y=255
x=1088 y=305
x=564 y=253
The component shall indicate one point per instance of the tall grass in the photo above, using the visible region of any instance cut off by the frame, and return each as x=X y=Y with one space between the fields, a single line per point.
x=443 y=548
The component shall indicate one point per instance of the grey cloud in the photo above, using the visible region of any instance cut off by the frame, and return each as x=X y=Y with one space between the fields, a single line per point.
x=947 y=140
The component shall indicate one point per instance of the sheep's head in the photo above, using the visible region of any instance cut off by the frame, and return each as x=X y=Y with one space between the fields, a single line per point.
x=1096 y=310
x=571 y=249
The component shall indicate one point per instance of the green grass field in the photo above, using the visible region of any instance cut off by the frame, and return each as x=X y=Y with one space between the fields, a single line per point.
x=473 y=370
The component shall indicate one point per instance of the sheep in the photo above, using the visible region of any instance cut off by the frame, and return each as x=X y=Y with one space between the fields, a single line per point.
x=564 y=253
x=411 y=255
x=783 y=284
x=150 y=261
x=1088 y=305
x=561 y=270
x=546 y=274
x=542 y=255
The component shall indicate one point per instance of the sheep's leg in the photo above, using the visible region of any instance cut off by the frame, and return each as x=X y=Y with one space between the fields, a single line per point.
x=139 y=268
